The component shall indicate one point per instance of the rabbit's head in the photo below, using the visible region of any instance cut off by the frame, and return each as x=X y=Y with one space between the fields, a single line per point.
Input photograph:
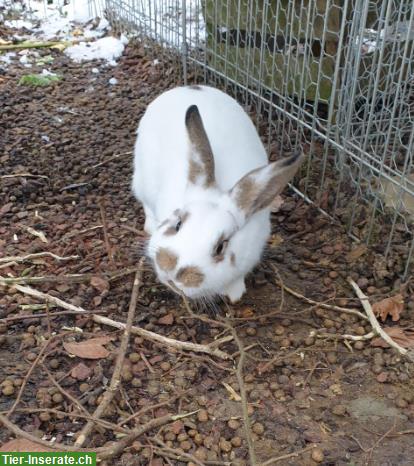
x=216 y=237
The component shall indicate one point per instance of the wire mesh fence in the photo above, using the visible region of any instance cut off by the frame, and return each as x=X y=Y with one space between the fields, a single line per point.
x=334 y=76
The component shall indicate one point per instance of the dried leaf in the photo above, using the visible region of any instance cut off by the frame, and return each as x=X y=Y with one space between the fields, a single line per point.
x=21 y=444
x=404 y=338
x=392 y=306
x=81 y=372
x=168 y=319
x=356 y=253
x=100 y=284
x=89 y=349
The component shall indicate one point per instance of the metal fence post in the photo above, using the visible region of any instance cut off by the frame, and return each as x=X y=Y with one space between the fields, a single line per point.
x=184 y=40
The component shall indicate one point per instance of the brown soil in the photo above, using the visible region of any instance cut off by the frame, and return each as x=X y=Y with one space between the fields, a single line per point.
x=352 y=400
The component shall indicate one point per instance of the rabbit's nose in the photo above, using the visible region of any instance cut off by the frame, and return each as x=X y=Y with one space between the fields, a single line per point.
x=191 y=276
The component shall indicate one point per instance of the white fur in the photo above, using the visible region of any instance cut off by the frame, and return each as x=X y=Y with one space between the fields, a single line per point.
x=160 y=182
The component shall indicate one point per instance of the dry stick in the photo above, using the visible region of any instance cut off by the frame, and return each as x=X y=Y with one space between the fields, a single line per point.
x=47 y=298
x=105 y=424
x=181 y=454
x=106 y=236
x=116 y=376
x=109 y=159
x=334 y=336
x=27 y=376
x=103 y=452
x=51 y=314
x=332 y=307
x=243 y=395
x=24 y=175
x=64 y=392
x=285 y=457
x=181 y=345
x=36 y=256
x=75 y=278
x=373 y=320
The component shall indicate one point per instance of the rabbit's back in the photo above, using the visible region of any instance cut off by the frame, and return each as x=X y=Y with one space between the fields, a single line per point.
x=161 y=152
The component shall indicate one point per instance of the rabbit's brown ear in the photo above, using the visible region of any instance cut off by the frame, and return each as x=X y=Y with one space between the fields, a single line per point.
x=256 y=190
x=201 y=170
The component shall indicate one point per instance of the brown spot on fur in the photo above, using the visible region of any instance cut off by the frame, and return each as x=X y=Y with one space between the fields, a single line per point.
x=246 y=192
x=195 y=87
x=171 y=231
x=166 y=259
x=204 y=168
x=190 y=276
x=233 y=259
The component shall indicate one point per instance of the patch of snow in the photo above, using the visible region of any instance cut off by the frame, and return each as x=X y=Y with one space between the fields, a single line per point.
x=113 y=81
x=7 y=57
x=106 y=48
x=46 y=72
x=95 y=70
x=18 y=23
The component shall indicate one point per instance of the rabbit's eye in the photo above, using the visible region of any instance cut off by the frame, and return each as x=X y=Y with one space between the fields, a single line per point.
x=178 y=226
x=221 y=246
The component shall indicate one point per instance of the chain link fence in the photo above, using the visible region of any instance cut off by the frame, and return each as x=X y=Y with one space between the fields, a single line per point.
x=333 y=76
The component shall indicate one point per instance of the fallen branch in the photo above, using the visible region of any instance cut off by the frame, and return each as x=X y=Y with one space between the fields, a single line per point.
x=116 y=375
x=35 y=45
x=44 y=314
x=36 y=256
x=47 y=298
x=103 y=452
x=180 y=345
x=374 y=322
x=243 y=396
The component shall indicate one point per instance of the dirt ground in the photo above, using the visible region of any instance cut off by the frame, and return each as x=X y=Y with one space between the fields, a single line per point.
x=313 y=397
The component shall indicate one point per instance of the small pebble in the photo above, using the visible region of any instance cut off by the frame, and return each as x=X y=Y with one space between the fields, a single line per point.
x=236 y=441
x=225 y=445
x=359 y=345
x=401 y=403
x=233 y=424
x=279 y=330
x=317 y=455
x=258 y=428
x=251 y=331
x=134 y=357
x=332 y=358
x=57 y=398
x=8 y=390
x=202 y=415
x=339 y=410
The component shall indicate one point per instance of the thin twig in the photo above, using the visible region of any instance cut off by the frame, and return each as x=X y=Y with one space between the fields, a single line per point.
x=182 y=345
x=335 y=336
x=285 y=457
x=48 y=298
x=106 y=235
x=36 y=255
x=373 y=320
x=109 y=159
x=116 y=376
x=27 y=376
x=51 y=314
x=23 y=175
x=103 y=452
x=332 y=307
x=243 y=396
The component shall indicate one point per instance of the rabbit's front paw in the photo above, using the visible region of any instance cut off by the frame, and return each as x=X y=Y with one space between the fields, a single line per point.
x=235 y=290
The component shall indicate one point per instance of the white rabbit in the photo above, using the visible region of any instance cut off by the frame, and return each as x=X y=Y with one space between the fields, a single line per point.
x=203 y=177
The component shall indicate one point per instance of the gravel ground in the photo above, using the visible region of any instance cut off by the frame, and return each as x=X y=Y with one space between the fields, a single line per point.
x=65 y=167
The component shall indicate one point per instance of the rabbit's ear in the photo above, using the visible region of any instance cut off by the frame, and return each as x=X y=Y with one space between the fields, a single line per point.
x=201 y=170
x=257 y=189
